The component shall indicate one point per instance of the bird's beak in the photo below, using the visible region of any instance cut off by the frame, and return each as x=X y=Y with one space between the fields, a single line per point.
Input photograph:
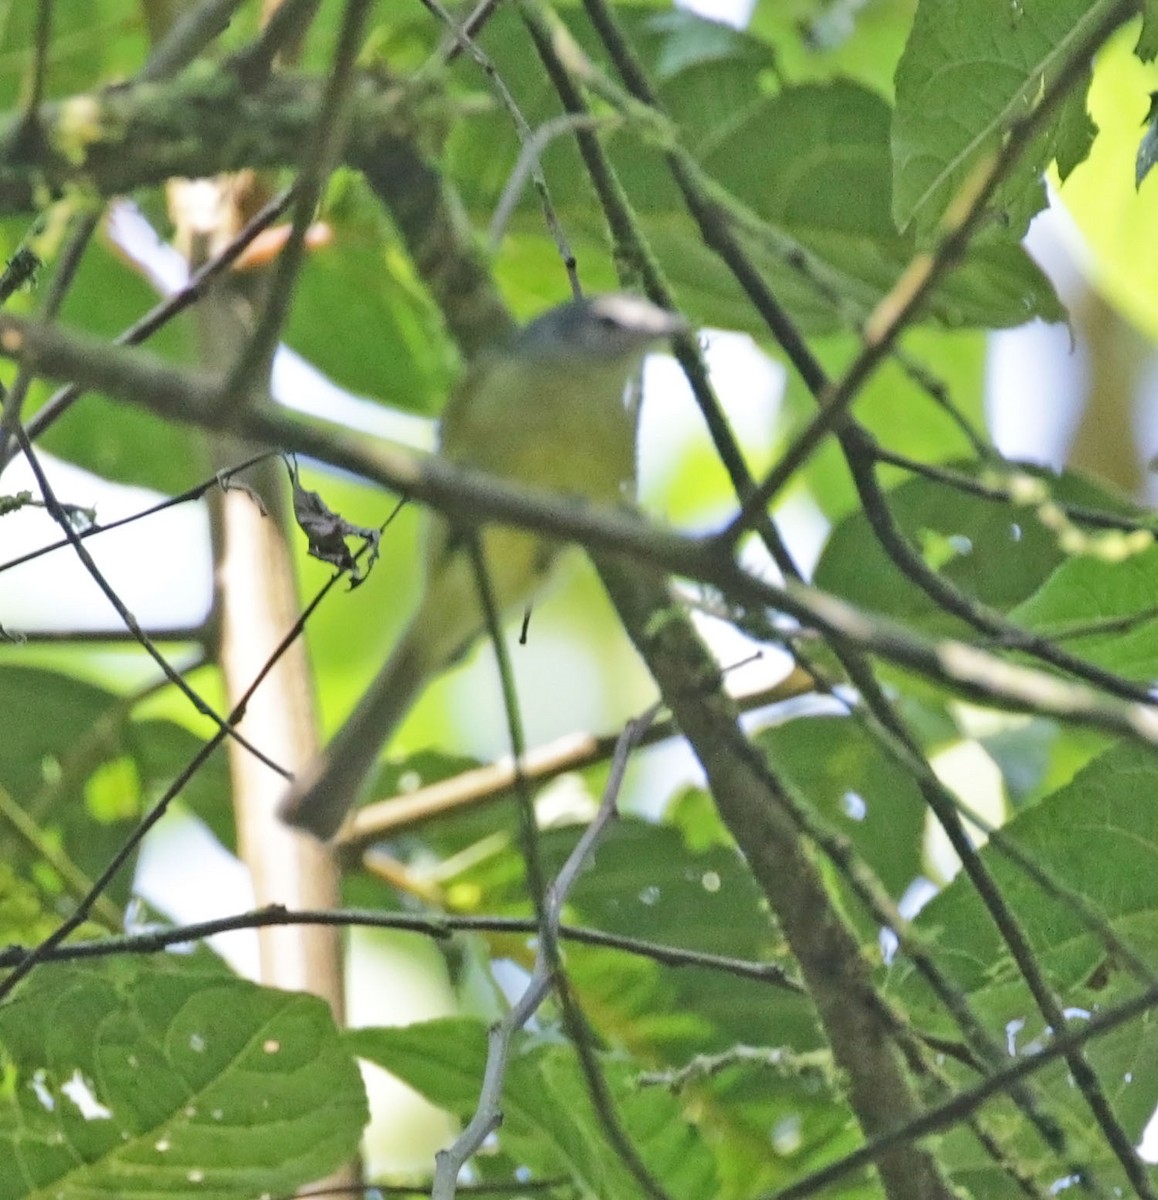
x=671 y=324
x=646 y=319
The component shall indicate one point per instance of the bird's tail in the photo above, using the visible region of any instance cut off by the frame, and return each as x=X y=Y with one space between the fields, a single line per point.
x=322 y=794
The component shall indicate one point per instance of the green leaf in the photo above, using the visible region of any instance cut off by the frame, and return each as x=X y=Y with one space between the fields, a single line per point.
x=1147 y=47
x=390 y=344
x=866 y=797
x=823 y=182
x=967 y=73
x=121 y=441
x=822 y=185
x=1086 y=592
x=645 y=882
x=817 y=40
x=60 y=732
x=548 y=1123
x=1114 y=215
x=1096 y=836
x=92 y=44
x=996 y=552
x=205 y=1084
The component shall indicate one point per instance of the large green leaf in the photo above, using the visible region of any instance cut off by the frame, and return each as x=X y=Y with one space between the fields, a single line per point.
x=93 y=42
x=994 y=551
x=115 y=440
x=968 y=72
x=865 y=796
x=1097 y=836
x=206 y=1084
x=1087 y=592
x=817 y=40
x=980 y=545
x=821 y=183
x=83 y=771
x=1116 y=218
x=548 y=1125
x=388 y=345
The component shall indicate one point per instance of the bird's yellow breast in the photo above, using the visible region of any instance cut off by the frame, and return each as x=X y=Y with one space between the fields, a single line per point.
x=562 y=428
x=558 y=425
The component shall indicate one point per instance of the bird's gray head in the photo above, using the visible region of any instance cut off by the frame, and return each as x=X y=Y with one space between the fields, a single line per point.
x=614 y=326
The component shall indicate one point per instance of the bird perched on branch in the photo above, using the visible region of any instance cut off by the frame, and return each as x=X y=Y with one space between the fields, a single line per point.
x=547 y=410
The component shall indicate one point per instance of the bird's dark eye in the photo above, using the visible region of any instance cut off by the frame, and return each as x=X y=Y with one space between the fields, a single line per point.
x=607 y=322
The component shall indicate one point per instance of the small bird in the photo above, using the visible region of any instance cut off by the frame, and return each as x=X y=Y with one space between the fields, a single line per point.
x=547 y=410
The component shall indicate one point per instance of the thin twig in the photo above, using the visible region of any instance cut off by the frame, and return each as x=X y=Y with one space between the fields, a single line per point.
x=197 y=634
x=471 y=28
x=199 y=703
x=488 y=1112
x=528 y=823
x=285 y=29
x=34 y=95
x=501 y=1188
x=494 y=781
x=62 y=280
x=189 y=34
x=438 y=926
x=318 y=160
x=575 y=1022
x=194 y=493
x=1014 y=485
x=602 y=1100
x=527 y=139
x=529 y=165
